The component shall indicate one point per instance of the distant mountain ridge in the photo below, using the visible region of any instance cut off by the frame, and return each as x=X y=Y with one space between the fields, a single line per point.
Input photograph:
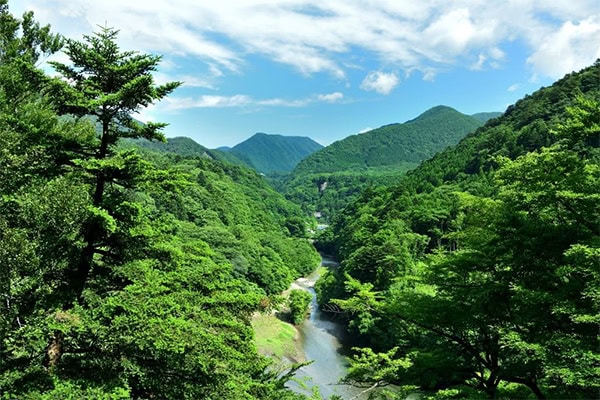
x=395 y=144
x=486 y=116
x=184 y=146
x=274 y=153
x=265 y=153
x=326 y=181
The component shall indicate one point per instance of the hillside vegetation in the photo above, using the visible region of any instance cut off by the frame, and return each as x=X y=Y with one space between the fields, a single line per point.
x=329 y=179
x=274 y=153
x=477 y=275
x=392 y=145
x=124 y=272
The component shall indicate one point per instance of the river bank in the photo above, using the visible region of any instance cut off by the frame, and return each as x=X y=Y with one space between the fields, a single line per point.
x=317 y=339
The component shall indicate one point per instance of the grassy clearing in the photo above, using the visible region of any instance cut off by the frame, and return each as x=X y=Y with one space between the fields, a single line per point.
x=275 y=338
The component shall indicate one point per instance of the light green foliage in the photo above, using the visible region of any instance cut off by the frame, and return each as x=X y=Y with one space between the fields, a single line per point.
x=380 y=368
x=299 y=300
x=492 y=253
x=362 y=305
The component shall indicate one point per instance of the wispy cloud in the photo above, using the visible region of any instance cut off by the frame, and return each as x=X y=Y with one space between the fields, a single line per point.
x=188 y=80
x=331 y=97
x=173 y=103
x=314 y=37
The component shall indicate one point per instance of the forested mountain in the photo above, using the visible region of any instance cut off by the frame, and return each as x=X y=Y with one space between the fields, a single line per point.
x=329 y=179
x=126 y=273
x=477 y=276
x=392 y=145
x=274 y=153
x=183 y=146
x=261 y=152
x=486 y=116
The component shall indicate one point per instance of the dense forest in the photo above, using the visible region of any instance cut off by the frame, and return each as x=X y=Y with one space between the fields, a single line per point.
x=328 y=180
x=274 y=153
x=131 y=267
x=125 y=272
x=477 y=276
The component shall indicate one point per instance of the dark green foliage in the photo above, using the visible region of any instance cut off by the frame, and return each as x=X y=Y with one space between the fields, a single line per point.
x=299 y=300
x=328 y=193
x=480 y=268
x=274 y=153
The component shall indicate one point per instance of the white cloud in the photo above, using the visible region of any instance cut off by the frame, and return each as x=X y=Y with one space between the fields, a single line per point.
x=380 y=82
x=173 y=103
x=514 y=87
x=480 y=63
x=365 y=130
x=572 y=47
x=315 y=37
x=188 y=80
x=331 y=97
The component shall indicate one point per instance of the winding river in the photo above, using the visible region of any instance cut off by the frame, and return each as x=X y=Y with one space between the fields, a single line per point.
x=321 y=342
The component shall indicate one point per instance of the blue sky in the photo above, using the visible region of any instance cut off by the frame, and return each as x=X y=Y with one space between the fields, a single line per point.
x=331 y=68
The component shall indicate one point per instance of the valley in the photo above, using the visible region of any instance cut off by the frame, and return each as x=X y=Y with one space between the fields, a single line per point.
x=451 y=256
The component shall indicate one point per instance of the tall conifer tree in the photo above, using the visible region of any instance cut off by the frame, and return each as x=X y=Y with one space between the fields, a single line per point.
x=109 y=84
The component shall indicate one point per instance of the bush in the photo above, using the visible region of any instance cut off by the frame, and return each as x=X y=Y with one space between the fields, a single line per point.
x=299 y=301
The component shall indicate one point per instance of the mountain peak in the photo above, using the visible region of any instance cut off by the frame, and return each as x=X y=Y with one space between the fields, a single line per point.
x=434 y=112
x=393 y=145
x=274 y=152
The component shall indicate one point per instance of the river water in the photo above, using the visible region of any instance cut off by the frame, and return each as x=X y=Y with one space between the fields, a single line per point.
x=321 y=342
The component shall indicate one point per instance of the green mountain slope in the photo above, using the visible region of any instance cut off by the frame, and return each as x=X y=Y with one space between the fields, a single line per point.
x=187 y=147
x=274 y=153
x=393 y=145
x=486 y=116
x=184 y=146
x=326 y=181
x=525 y=126
x=484 y=258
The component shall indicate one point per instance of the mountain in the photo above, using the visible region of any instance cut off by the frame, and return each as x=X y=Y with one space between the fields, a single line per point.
x=481 y=249
x=184 y=146
x=274 y=153
x=326 y=181
x=393 y=145
x=524 y=127
x=486 y=116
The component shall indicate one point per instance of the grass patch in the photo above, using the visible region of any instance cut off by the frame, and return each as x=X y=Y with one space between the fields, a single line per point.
x=275 y=338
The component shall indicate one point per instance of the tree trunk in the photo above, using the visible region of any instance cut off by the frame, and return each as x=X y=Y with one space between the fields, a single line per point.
x=80 y=276
x=531 y=384
x=90 y=235
x=54 y=350
x=536 y=390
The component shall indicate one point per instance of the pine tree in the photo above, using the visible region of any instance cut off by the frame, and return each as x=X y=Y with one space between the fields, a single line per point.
x=110 y=85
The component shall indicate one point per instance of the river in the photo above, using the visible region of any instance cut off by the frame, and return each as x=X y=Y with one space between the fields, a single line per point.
x=321 y=342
